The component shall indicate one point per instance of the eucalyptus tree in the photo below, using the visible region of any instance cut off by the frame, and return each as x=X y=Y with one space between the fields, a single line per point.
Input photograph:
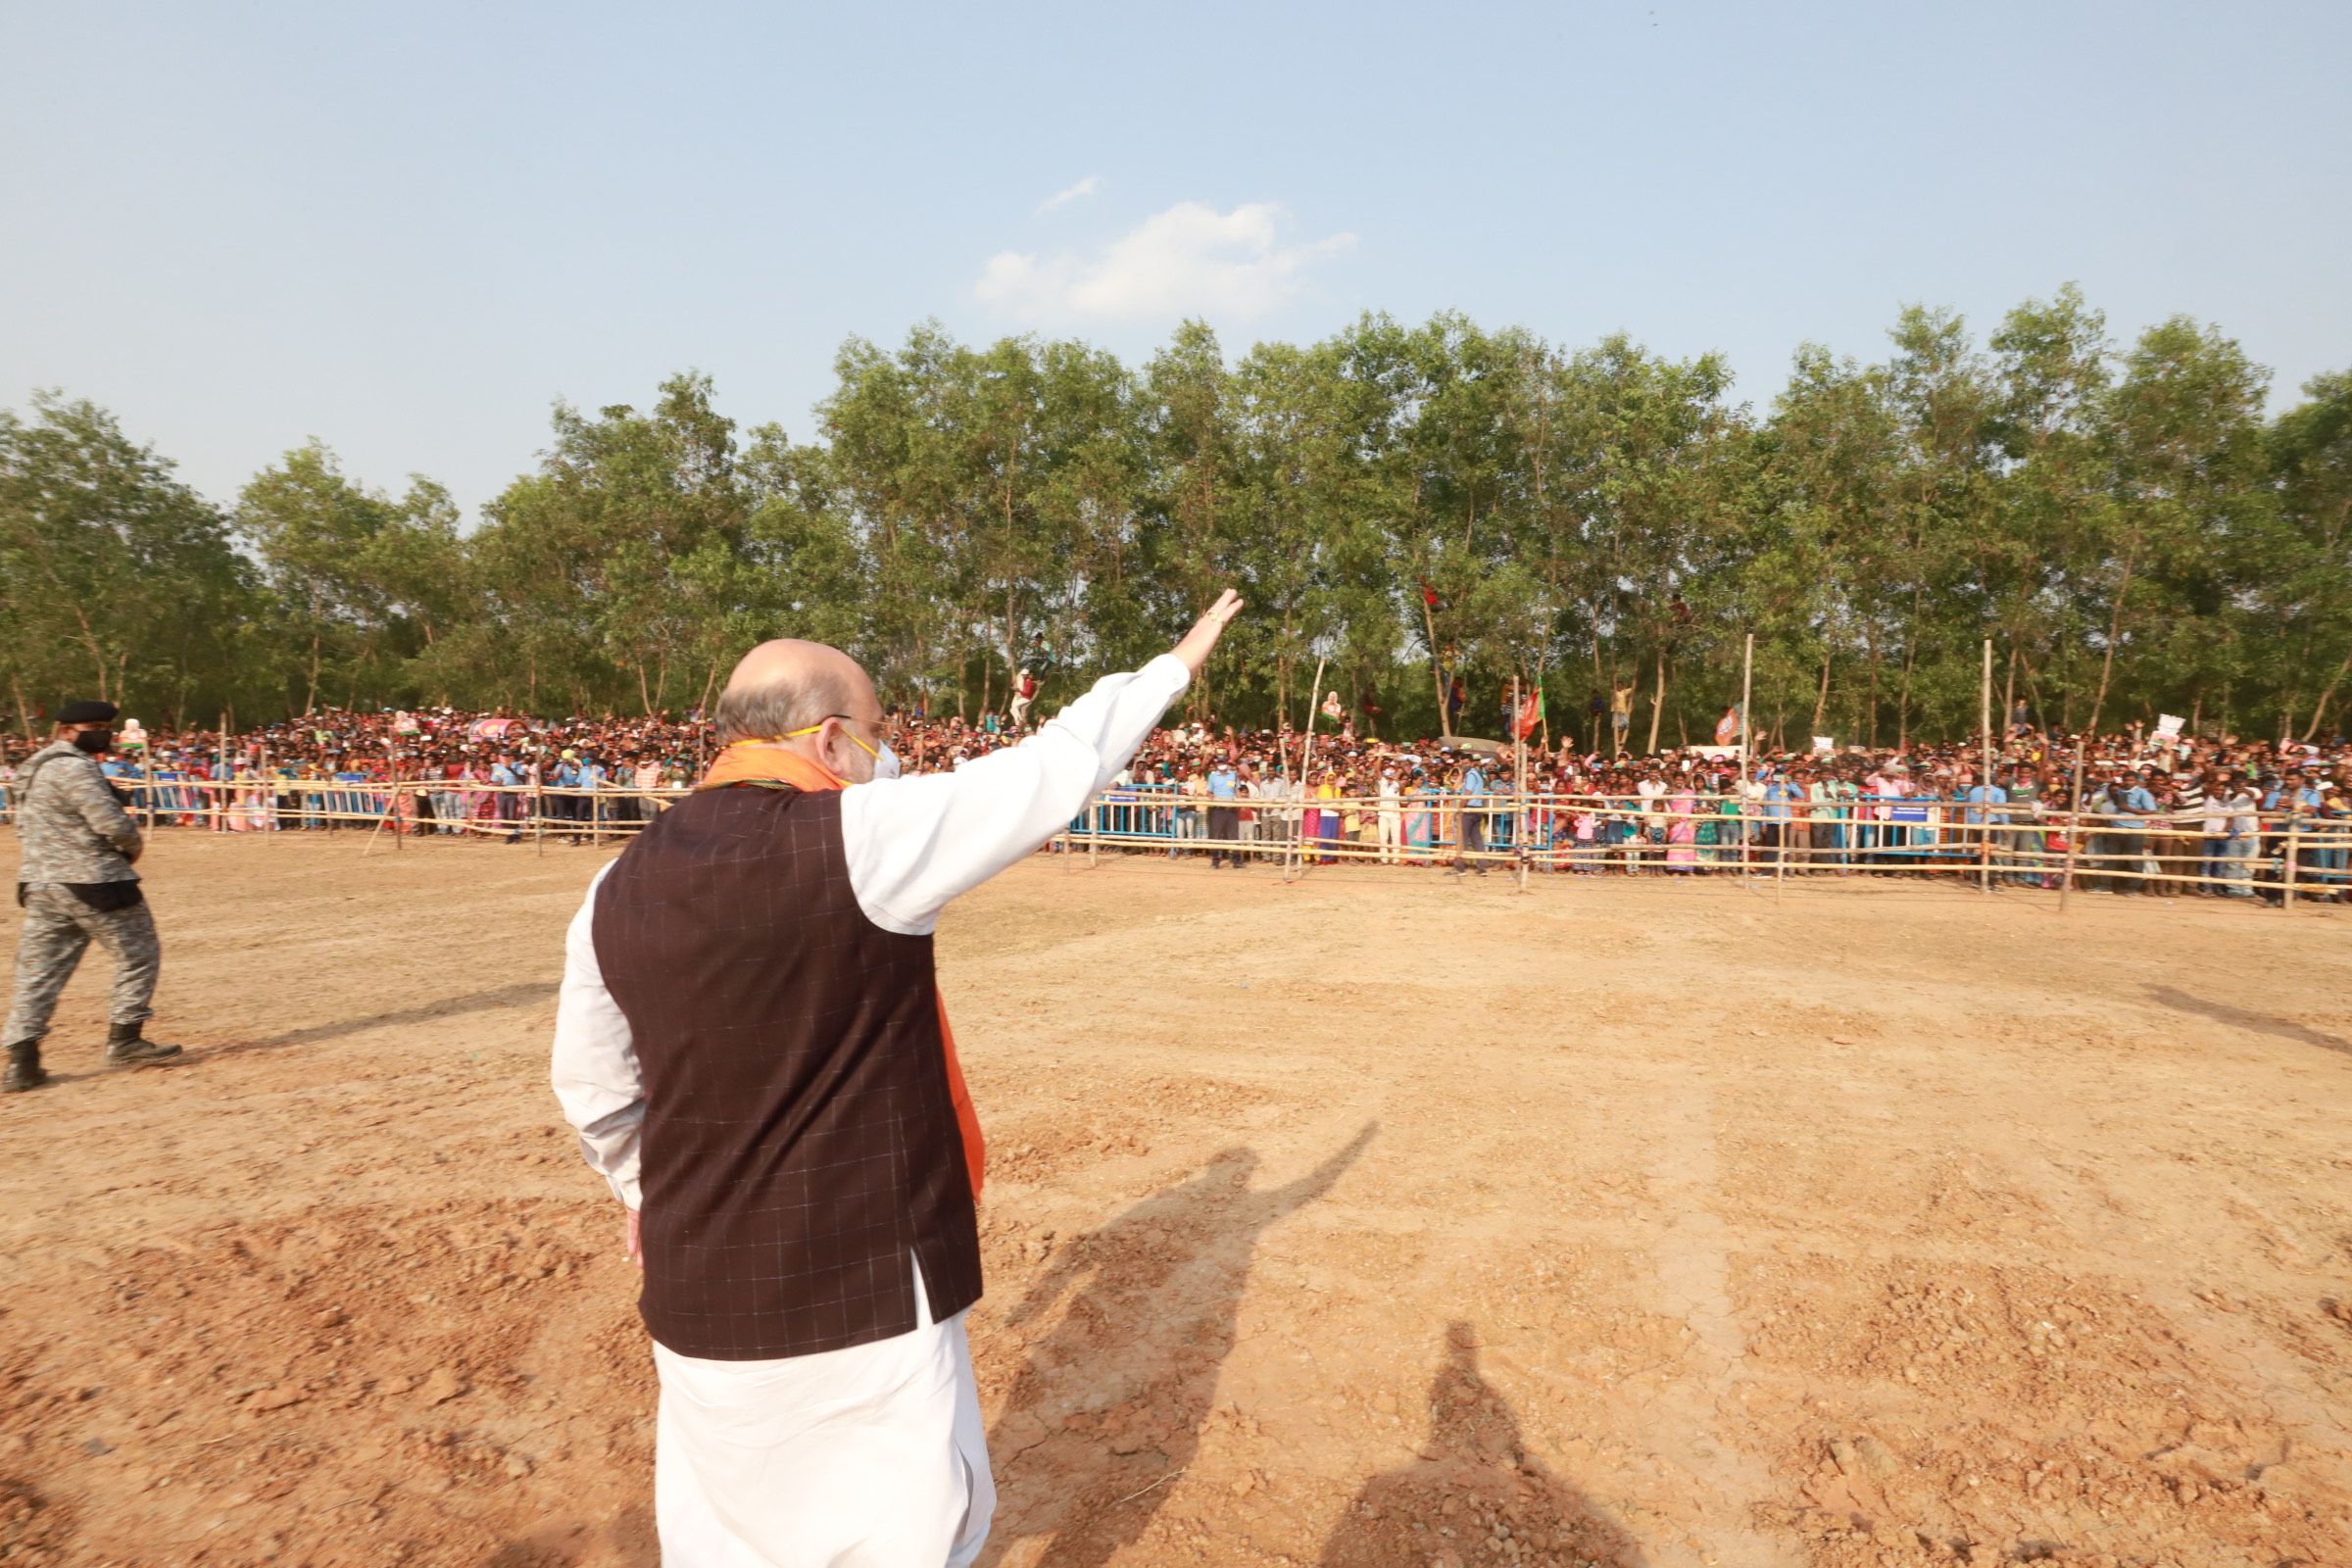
x=976 y=481
x=365 y=582
x=1930 y=559
x=1304 y=543
x=2052 y=375
x=1188 y=418
x=1634 y=521
x=584 y=563
x=1826 y=490
x=2184 y=434
x=2306 y=591
x=1090 y=597
x=117 y=581
x=1426 y=429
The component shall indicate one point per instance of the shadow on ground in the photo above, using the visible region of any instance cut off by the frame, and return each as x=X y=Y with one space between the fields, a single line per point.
x=1112 y=1400
x=2253 y=1022
x=521 y=995
x=1475 y=1479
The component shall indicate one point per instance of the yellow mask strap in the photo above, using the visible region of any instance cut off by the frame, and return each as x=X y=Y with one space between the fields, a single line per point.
x=794 y=735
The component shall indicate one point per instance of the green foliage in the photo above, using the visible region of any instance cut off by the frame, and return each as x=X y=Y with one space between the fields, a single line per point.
x=1406 y=505
x=117 y=581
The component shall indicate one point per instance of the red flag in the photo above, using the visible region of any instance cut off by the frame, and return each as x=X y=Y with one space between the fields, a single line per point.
x=1531 y=715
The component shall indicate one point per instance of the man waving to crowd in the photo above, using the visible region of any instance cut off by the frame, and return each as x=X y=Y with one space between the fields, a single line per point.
x=752 y=1046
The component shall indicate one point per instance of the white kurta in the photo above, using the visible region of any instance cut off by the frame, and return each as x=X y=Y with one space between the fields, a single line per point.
x=869 y=1456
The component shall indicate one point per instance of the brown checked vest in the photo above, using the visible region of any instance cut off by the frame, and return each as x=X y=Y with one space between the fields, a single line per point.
x=799 y=1137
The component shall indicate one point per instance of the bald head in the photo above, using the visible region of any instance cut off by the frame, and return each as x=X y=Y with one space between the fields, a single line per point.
x=788 y=684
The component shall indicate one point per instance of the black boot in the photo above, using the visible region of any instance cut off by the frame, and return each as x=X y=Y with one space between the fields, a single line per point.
x=23 y=1068
x=124 y=1048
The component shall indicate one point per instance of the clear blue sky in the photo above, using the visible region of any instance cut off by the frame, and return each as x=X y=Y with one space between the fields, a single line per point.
x=407 y=228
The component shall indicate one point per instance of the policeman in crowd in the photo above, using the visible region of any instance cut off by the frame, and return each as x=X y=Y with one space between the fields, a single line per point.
x=74 y=881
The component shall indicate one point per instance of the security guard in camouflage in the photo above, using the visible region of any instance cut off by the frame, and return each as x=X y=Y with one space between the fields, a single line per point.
x=75 y=880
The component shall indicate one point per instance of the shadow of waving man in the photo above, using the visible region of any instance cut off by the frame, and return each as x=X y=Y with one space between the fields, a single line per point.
x=1476 y=1496
x=1112 y=1396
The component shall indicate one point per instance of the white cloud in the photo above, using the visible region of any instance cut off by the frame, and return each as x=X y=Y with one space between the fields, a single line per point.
x=1085 y=187
x=1190 y=260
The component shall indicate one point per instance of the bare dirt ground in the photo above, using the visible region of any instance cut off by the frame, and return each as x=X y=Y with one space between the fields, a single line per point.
x=1375 y=1219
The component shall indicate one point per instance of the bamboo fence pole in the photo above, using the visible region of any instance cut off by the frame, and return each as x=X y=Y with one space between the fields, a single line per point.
x=1306 y=753
x=2074 y=830
x=380 y=818
x=1985 y=821
x=1747 y=689
x=1519 y=826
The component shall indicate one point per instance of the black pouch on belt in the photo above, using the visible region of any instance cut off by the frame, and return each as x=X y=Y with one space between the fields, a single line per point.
x=102 y=897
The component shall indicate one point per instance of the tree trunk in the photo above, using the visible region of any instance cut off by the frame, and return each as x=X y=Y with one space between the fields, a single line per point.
x=1657 y=701
x=1821 y=699
x=2009 y=693
x=2033 y=691
x=1436 y=669
x=2317 y=713
x=1870 y=734
x=2114 y=621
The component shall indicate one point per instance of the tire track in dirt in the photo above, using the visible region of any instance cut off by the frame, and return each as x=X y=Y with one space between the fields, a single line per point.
x=1700 y=1408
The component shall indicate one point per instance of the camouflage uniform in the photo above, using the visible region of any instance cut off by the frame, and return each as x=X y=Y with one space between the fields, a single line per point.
x=77 y=844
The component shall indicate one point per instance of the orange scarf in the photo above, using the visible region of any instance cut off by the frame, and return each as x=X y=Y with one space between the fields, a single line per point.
x=747 y=763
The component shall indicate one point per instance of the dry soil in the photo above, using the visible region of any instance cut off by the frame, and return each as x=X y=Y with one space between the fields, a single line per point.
x=1372 y=1219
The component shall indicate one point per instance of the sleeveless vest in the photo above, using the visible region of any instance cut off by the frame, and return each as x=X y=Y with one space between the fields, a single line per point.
x=799 y=1137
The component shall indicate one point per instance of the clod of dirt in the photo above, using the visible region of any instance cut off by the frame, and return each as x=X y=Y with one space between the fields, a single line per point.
x=1874 y=1455
x=441 y=1385
x=264 y=1401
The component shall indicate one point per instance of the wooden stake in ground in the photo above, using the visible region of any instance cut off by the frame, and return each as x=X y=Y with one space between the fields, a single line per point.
x=1985 y=821
x=2286 y=872
x=2074 y=830
x=1519 y=806
x=1747 y=687
x=1306 y=753
x=381 y=817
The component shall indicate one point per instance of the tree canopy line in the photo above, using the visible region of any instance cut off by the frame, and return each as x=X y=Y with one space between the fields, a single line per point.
x=1413 y=504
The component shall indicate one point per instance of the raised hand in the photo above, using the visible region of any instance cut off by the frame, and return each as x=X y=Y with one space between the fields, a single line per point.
x=1203 y=638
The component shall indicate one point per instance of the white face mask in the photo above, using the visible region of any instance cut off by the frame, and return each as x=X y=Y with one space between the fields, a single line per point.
x=886 y=763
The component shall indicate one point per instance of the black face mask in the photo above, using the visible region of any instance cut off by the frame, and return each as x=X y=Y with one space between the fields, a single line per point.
x=95 y=740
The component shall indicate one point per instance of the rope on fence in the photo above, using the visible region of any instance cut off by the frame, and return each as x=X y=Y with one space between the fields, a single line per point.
x=1715 y=834
x=1876 y=834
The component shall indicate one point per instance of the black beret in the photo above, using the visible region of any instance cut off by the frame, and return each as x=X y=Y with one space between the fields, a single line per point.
x=86 y=712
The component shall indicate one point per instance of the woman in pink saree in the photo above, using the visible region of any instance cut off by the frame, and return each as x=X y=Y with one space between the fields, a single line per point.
x=1681 y=830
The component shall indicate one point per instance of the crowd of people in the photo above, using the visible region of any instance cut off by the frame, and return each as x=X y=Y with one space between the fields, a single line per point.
x=2157 y=814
